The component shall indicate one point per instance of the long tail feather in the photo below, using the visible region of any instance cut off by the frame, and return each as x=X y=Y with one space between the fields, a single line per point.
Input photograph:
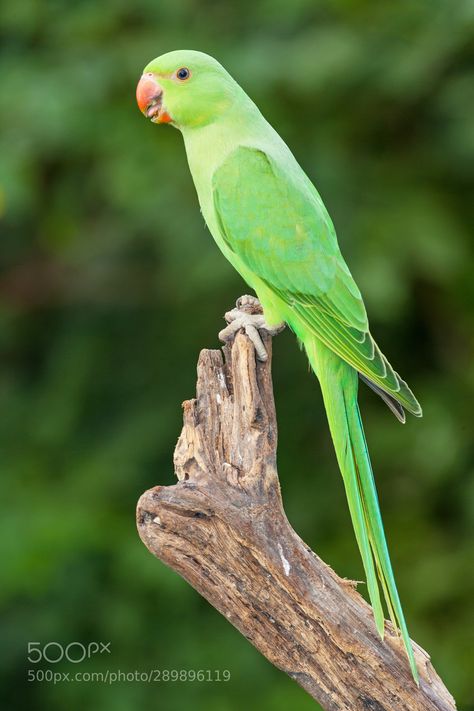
x=339 y=383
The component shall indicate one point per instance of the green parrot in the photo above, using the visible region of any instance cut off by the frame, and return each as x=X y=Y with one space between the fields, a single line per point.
x=270 y=222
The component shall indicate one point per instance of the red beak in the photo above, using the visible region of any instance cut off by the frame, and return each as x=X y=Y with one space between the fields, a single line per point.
x=150 y=99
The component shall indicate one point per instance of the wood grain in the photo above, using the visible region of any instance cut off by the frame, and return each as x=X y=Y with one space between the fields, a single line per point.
x=222 y=527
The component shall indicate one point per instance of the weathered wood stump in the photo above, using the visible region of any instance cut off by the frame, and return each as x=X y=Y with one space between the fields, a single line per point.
x=222 y=527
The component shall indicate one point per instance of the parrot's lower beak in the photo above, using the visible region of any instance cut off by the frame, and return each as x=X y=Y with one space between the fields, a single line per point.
x=150 y=99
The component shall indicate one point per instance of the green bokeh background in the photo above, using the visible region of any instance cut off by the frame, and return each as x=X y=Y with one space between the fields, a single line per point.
x=110 y=286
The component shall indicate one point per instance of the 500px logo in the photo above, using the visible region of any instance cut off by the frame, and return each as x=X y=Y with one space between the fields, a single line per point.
x=75 y=652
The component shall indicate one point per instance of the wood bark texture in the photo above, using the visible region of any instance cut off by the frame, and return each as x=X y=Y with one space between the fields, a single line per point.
x=222 y=527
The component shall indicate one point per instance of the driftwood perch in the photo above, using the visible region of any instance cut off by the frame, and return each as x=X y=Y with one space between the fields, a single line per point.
x=223 y=528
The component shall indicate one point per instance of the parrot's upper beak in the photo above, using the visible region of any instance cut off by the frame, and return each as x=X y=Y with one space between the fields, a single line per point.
x=150 y=99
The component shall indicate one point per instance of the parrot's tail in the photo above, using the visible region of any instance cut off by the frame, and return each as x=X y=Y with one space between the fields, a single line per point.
x=339 y=383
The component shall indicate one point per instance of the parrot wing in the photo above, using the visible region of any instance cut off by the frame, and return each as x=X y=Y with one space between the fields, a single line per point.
x=276 y=222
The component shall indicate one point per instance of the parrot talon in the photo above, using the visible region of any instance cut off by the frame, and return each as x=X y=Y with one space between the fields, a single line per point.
x=248 y=316
x=249 y=304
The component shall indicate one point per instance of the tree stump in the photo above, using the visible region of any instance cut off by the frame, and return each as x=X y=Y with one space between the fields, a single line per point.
x=222 y=527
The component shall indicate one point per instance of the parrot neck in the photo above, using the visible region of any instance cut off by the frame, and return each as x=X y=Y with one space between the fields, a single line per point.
x=208 y=146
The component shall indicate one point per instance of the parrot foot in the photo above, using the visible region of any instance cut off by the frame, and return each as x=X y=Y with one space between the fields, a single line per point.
x=248 y=316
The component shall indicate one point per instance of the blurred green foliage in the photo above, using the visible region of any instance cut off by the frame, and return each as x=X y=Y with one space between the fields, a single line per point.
x=110 y=286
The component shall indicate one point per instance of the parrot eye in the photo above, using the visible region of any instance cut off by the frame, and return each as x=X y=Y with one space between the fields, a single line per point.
x=183 y=73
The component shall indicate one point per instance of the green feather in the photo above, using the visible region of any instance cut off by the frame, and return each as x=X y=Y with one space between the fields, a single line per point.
x=298 y=260
x=339 y=385
x=314 y=292
x=271 y=224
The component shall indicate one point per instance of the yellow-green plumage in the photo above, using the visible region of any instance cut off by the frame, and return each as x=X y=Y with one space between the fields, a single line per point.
x=270 y=222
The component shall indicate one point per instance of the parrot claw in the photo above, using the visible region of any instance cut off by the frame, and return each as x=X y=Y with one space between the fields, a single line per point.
x=248 y=316
x=249 y=304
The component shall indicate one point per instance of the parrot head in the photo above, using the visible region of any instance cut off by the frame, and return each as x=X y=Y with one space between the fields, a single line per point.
x=185 y=88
